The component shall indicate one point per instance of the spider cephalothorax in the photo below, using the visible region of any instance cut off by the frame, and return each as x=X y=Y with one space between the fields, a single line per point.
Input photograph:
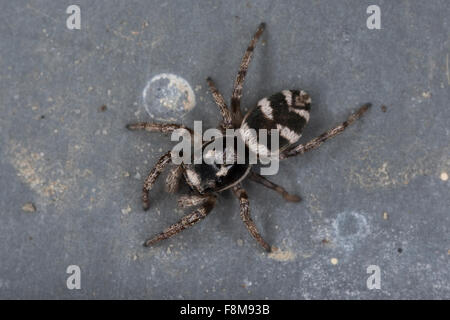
x=287 y=112
x=219 y=170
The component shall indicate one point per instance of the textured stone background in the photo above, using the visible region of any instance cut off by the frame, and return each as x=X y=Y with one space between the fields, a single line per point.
x=376 y=195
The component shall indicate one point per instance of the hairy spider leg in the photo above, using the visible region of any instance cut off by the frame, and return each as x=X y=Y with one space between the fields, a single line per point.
x=227 y=121
x=173 y=178
x=269 y=184
x=192 y=200
x=316 y=142
x=185 y=222
x=152 y=176
x=157 y=127
x=239 y=82
x=241 y=194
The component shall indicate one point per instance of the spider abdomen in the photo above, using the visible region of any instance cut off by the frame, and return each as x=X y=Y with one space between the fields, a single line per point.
x=286 y=111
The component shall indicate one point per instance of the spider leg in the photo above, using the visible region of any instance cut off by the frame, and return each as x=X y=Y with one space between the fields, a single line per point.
x=192 y=200
x=239 y=82
x=157 y=127
x=265 y=182
x=314 y=143
x=185 y=222
x=241 y=194
x=220 y=101
x=152 y=176
x=173 y=179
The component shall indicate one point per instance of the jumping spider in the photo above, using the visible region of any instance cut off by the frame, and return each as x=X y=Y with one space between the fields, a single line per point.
x=286 y=111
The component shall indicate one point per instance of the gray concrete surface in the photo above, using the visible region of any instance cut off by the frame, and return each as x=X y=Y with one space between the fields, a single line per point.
x=376 y=195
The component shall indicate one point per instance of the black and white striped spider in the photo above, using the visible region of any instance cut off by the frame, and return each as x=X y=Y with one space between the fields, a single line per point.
x=287 y=111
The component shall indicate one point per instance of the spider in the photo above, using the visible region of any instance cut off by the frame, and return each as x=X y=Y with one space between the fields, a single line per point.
x=287 y=111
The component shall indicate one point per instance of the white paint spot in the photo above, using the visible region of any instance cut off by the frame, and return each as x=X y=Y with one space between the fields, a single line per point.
x=127 y=210
x=426 y=94
x=349 y=229
x=247 y=283
x=168 y=97
x=282 y=255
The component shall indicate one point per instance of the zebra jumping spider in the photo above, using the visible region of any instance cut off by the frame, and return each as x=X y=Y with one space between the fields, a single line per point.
x=287 y=112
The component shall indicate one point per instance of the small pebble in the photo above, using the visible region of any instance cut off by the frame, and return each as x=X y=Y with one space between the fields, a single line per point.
x=444 y=176
x=334 y=261
x=426 y=94
x=29 y=207
x=127 y=210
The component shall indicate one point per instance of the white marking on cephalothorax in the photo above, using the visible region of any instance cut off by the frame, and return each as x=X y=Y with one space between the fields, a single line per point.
x=213 y=156
x=193 y=177
x=266 y=109
x=223 y=171
x=210 y=154
x=288 y=96
x=230 y=155
x=288 y=134
x=301 y=112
